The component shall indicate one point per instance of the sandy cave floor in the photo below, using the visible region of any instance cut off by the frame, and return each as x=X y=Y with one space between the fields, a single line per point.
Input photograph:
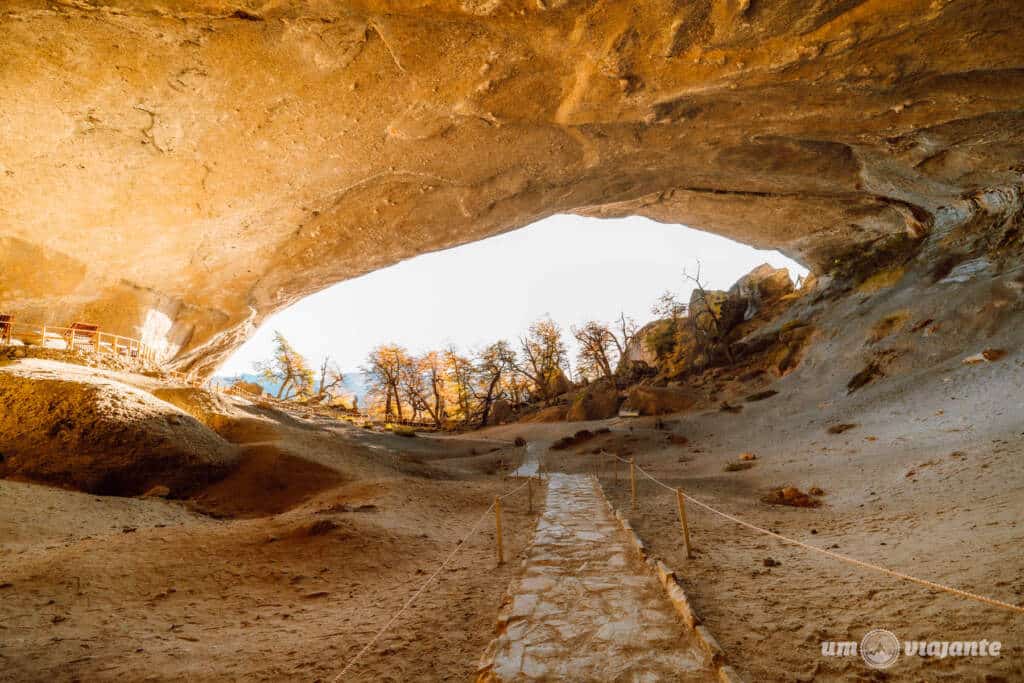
x=99 y=588
x=284 y=581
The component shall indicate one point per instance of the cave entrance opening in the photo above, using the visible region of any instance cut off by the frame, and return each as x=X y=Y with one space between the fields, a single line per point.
x=570 y=269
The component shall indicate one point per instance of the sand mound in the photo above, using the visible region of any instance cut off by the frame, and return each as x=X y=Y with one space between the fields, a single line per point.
x=549 y=414
x=205 y=406
x=94 y=434
x=220 y=415
x=268 y=481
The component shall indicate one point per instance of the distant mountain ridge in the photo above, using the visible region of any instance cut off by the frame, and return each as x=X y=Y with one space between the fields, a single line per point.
x=355 y=382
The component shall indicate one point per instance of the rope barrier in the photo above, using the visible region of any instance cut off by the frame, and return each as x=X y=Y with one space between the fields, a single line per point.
x=828 y=553
x=423 y=587
x=518 y=488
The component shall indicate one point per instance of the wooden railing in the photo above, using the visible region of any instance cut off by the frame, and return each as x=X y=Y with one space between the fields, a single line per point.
x=71 y=338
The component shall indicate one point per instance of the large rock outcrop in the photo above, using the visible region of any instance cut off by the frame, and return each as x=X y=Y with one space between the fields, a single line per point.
x=70 y=426
x=180 y=169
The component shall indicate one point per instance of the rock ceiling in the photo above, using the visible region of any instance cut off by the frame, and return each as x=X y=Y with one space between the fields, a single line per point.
x=182 y=169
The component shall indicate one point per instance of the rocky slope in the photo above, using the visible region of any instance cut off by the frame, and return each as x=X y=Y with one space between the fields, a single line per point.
x=180 y=170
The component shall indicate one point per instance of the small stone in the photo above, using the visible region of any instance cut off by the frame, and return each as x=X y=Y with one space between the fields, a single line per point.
x=158 y=491
x=771 y=562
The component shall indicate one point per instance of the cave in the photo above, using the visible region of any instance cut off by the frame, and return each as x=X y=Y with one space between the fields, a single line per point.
x=179 y=171
x=176 y=172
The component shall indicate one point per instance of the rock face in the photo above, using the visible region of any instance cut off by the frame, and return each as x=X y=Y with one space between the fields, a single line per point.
x=639 y=349
x=71 y=428
x=762 y=285
x=178 y=170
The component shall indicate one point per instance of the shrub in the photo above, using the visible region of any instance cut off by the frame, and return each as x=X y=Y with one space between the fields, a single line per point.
x=400 y=430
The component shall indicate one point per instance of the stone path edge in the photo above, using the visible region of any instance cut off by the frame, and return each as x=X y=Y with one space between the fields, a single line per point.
x=485 y=668
x=676 y=595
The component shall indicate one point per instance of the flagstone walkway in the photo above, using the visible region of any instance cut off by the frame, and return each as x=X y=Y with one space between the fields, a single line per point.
x=585 y=609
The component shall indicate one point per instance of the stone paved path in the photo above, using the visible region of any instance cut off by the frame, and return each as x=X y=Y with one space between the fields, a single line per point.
x=585 y=609
x=531 y=461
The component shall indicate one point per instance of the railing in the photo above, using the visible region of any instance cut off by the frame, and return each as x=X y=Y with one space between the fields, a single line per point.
x=681 y=498
x=460 y=545
x=72 y=338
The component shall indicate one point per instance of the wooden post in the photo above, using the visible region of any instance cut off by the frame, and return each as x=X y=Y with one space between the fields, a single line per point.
x=682 y=521
x=632 y=480
x=44 y=337
x=497 y=525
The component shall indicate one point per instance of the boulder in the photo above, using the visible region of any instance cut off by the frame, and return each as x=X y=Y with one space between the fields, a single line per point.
x=559 y=384
x=598 y=401
x=643 y=347
x=61 y=425
x=715 y=312
x=763 y=284
x=648 y=400
x=549 y=414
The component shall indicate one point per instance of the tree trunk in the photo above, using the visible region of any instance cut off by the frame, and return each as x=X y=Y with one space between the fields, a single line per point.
x=488 y=400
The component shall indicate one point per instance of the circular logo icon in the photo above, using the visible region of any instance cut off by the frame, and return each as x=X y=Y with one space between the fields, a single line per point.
x=879 y=648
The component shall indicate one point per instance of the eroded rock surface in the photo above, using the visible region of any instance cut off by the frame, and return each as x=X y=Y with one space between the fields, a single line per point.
x=179 y=170
x=72 y=427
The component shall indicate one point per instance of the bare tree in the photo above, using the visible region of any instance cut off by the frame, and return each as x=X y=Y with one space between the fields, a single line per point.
x=384 y=368
x=597 y=348
x=627 y=328
x=423 y=381
x=668 y=306
x=492 y=365
x=288 y=368
x=460 y=374
x=543 y=356
x=712 y=332
x=331 y=381
x=602 y=347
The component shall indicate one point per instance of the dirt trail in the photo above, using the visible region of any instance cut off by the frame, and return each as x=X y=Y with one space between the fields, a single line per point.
x=584 y=608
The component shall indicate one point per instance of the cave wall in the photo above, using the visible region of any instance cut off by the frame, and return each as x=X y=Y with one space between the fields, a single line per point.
x=179 y=170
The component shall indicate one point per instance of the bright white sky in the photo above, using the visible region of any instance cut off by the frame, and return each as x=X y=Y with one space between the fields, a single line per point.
x=573 y=268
